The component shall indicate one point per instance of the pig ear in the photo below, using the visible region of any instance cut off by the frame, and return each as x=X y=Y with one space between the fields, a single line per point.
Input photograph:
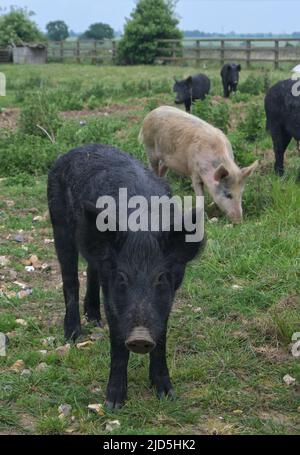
x=247 y=171
x=239 y=68
x=175 y=79
x=178 y=249
x=91 y=213
x=90 y=209
x=221 y=173
x=189 y=81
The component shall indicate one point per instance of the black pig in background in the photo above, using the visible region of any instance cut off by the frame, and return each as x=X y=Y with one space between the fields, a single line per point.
x=230 y=74
x=282 y=105
x=191 y=89
x=139 y=272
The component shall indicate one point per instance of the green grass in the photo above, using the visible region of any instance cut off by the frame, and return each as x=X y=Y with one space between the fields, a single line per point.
x=228 y=348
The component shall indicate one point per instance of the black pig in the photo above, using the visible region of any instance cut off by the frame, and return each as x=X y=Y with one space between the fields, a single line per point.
x=139 y=272
x=282 y=105
x=191 y=89
x=230 y=74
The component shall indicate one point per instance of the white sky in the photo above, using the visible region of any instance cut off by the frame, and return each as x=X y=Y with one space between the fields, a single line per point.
x=242 y=16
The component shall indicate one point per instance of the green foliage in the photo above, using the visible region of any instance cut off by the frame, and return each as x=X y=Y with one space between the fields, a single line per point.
x=151 y=20
x=255 y=85
x=215 y=113
x=39 y=110
x=28 y=154
x=99 y=31
x=253 y=126
x=16 y=27
x=57 y=30
x=242 y=151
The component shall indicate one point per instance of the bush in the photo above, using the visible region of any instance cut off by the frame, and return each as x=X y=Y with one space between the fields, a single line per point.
x=17 y=27
x=150 y=21
x=215 y=113
x=253 y=126
x=27 y=154
x=243 y=153
x=38 y=110
x=255 y=85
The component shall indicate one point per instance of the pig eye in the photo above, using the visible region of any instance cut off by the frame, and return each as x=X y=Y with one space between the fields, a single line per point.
x=228 y=195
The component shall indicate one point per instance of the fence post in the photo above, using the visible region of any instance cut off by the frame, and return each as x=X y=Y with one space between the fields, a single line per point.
x=222 y=52
x=62 y=51
x=248 y=53
x=198 y=53
x=78 y=51
x=276 y=62
x=114 y=52
x=174 y=44
x=94 y=53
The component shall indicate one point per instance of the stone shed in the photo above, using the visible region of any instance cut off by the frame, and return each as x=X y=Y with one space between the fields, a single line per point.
x=30 y=54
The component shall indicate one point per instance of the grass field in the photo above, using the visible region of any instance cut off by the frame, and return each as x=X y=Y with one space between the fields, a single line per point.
x=230 y=332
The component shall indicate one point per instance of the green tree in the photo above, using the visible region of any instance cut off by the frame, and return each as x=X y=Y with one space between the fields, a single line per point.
x=57 y=30
x=151 y=20
x=16 y=27
x=99 y=31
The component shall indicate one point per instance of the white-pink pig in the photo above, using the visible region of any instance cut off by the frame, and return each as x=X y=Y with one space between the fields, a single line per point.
x=190 y=146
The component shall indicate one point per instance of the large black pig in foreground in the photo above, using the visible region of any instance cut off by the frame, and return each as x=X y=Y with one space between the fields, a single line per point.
x=139 y=272
x=191 y=89
x=282 y=105
x=230 y=75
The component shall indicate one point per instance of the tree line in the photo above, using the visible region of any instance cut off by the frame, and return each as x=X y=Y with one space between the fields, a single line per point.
x=150 y=21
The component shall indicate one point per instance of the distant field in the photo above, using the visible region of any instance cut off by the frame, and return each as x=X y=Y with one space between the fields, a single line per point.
x=230 y=331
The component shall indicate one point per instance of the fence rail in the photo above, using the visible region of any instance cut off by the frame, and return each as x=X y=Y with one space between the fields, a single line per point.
x=81 y=51
x=220 y=49
x=248 y=50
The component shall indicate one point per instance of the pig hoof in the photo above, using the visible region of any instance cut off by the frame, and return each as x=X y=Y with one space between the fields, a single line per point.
x=72 y=333
x=96 y=322
x=170 y=394
x=164 y=389
x=112 y=405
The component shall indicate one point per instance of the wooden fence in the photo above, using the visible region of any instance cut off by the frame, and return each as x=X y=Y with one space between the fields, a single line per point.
x=222 y=50
x=248 y=50
x=5 y=55
x=82 y=51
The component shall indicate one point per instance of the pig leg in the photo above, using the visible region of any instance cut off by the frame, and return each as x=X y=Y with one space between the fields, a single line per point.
x=154 y=163
x=188 y=104
x=198 y=185
x=92 y=298
x=281 y=141
x=226 y=90
x=162 y=170
x=68 y=257
x=116 y=392
x=158 y=371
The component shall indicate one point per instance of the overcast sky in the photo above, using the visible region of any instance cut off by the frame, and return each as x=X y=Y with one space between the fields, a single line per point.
x=242 y=16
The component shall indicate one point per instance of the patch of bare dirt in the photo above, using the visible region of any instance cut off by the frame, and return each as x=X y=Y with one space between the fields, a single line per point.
x=112 y=109
x=291 y=301
x=9 y=118
x=273 y=354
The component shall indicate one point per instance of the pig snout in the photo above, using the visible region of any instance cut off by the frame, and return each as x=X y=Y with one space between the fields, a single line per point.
x=236 y=217
x=140 y=341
